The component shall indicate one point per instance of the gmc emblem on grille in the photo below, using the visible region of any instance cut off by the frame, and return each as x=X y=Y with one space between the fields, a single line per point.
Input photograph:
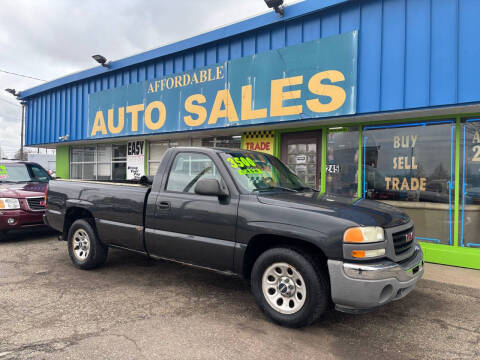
x=409 y=237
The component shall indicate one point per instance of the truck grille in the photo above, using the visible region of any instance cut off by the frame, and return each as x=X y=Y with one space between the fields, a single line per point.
x=403 y=241
x=36 y=204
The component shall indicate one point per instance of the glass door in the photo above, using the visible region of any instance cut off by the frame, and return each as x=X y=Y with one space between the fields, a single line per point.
x=301 y=152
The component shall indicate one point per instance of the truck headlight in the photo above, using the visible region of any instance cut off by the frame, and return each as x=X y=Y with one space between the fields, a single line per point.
x=364 y=234
x=9 y=204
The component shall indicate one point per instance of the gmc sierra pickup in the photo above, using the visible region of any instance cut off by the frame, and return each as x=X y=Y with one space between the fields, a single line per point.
x=246 y=213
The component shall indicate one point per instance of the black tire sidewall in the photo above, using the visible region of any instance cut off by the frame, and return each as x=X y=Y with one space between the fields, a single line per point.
x=96 y=248
x=316 y=284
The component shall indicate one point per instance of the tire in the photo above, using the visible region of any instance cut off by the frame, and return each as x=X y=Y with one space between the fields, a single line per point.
x=310 y=294
x=3 y=235
x=84 y=248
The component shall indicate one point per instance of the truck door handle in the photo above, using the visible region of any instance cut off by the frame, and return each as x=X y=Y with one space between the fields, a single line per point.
x=163 y=205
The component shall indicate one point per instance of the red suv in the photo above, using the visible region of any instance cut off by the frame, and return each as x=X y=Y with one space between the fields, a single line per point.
x=23 y=186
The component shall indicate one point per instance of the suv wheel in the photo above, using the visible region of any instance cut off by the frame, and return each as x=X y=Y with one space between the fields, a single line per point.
x=3 y=235
x=84 y=248
x=289 y=287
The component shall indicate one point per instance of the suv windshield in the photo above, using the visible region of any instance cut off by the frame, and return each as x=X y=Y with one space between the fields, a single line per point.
x=261 y=172
x=20 y=173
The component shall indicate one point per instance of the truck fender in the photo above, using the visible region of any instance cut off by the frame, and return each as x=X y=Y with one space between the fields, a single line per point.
x=268 y=232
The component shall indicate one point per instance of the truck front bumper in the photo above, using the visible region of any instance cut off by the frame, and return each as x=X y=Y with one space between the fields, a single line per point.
x=363 y=287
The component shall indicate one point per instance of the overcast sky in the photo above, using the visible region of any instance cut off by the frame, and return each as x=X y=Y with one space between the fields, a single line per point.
x=50 y=38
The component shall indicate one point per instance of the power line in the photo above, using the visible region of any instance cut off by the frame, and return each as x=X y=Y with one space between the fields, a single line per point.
x=25 y=76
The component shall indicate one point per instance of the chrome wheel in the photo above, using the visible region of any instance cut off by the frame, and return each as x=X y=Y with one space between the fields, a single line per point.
x=284 y=288
x=81 y=244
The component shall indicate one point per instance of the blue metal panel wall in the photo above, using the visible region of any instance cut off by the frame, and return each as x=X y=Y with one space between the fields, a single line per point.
x=412 y=53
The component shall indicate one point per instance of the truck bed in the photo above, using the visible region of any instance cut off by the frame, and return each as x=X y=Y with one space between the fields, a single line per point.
x=118 y=208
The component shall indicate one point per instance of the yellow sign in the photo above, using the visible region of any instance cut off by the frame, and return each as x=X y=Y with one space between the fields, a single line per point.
x=262 y=141
x=405 y=163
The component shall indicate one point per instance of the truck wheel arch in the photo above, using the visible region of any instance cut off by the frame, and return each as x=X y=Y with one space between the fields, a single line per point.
x=73 y=214
x=260 y=243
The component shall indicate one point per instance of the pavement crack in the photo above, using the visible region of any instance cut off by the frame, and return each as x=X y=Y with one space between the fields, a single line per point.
x=139 y=349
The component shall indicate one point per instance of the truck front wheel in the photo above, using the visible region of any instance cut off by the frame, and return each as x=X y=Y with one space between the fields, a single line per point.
x=3 y=235
x=84 y=248
x=289 y=287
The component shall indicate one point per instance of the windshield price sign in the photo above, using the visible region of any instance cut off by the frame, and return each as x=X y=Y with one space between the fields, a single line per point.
x=245 y=165
x=3 y=172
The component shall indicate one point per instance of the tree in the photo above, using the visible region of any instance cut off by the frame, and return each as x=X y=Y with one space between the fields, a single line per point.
x=25 y=154
x=440 y=173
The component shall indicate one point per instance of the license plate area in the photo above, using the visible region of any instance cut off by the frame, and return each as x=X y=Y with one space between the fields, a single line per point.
x=412 y=271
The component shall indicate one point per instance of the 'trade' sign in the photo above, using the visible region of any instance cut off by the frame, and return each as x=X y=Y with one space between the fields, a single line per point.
x=310 y=80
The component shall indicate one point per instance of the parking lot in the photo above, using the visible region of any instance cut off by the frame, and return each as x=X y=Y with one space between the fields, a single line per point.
x=136 y=308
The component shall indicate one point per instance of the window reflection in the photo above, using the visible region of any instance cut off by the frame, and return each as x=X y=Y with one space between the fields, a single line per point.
x=412 y=168
x=98 y=162
x=409 y=163
x=188 y=169
x=342 y=162
x=470 y=213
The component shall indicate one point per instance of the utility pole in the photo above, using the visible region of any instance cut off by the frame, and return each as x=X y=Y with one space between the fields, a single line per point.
x=23 y=103
x=23 y=127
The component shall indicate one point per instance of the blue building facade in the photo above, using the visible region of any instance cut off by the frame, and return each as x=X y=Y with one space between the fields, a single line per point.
x=409 y=136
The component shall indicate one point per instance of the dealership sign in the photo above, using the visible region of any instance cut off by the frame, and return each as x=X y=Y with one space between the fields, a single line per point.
x=309 y=80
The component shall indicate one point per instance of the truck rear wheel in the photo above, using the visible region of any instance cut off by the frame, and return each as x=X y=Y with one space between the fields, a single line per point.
x=289 y=287
x=84 y=248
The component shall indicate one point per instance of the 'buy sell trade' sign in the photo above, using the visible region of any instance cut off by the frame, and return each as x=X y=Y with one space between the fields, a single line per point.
x=309 y=80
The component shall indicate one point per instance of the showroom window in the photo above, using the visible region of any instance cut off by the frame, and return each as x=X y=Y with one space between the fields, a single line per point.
x=99 y=162
x=231 y=142
x=411 y=166
x=158 y=148
x=342 y=162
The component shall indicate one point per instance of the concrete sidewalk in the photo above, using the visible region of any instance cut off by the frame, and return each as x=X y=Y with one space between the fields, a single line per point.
x=452 y=275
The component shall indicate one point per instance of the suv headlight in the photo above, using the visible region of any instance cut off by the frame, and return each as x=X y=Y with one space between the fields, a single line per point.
x=9 y=204
x=363 y=235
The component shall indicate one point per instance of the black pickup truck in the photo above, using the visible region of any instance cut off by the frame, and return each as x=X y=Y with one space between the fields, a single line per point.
x=246 y=213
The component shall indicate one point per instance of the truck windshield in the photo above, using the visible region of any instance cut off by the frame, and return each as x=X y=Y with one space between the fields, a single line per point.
x=261 y=172
x=20 y=173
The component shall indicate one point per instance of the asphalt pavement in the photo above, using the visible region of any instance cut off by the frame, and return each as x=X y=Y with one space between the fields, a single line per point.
x=136 y=308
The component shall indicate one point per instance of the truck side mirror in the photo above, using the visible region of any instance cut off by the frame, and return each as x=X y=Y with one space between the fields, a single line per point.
x=146 y=180
x=210 y=187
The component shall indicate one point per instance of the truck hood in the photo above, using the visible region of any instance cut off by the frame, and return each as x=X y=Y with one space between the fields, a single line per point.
x=22 y=190
x=360 y=211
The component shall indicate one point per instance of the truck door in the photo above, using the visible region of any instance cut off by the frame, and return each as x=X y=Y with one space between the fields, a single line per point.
x=185 y=226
